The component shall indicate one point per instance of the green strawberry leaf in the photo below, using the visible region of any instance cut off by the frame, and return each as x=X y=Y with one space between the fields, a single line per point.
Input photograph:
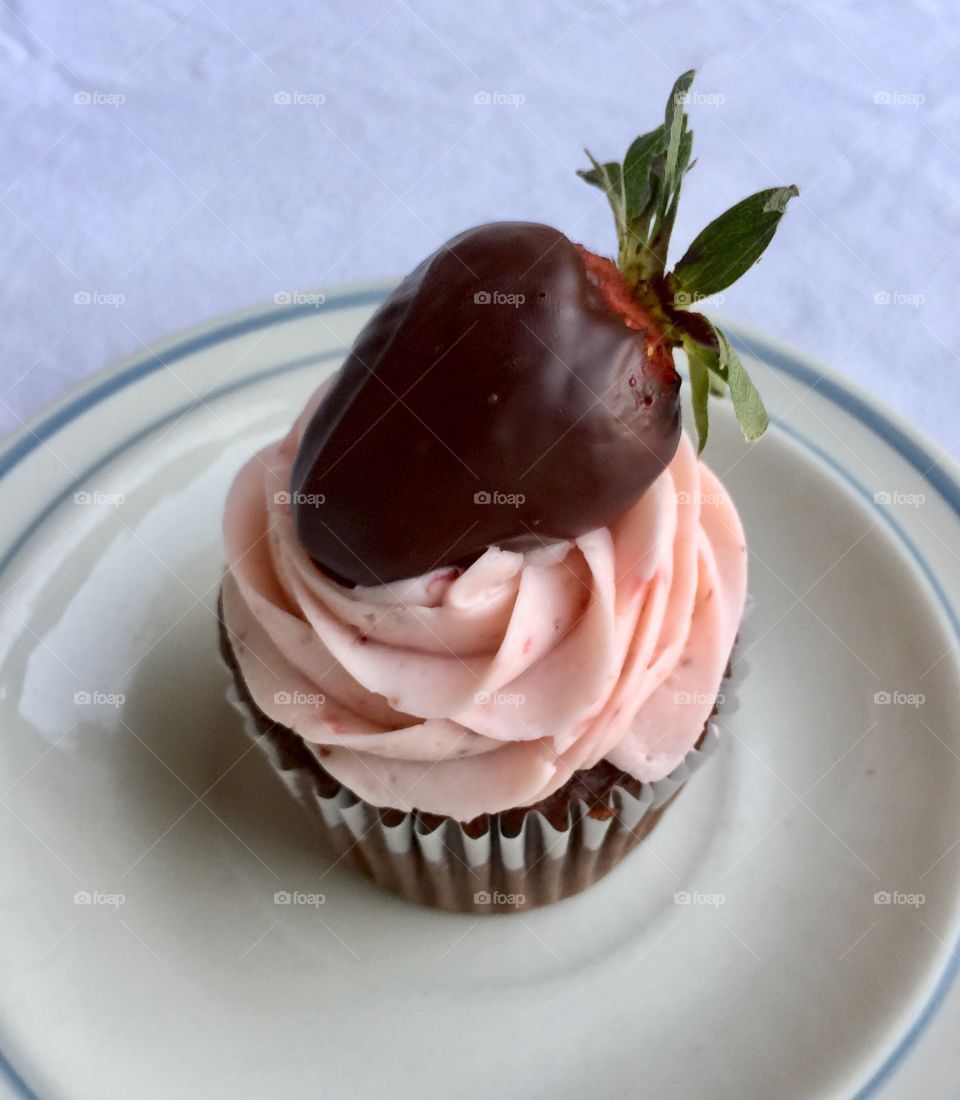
x=710 y=349
x=747 y=403
x=637 y=186
x=732 y=243
x=661 y=238
x=683 y=159
x=600 y=175
x=609 y=178
x=717 y=386
x=675 y=123
x=699 y=362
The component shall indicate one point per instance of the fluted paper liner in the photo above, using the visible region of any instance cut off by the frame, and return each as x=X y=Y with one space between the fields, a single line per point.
x=488 y=868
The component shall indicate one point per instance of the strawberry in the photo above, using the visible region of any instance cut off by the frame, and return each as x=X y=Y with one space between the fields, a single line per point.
x=517 y=389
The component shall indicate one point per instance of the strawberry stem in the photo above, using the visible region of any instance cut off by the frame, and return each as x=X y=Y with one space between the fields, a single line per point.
x=644 y=192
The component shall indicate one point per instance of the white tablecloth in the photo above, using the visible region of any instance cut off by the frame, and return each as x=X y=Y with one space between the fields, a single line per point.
x=167 y=160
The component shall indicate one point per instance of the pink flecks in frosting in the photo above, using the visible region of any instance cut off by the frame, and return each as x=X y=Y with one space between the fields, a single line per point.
x=472 y=691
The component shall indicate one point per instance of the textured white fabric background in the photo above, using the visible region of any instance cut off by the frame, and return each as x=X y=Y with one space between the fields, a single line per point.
x=144 y=156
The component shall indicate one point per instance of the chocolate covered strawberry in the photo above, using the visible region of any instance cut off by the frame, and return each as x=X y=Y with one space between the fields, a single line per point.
x=516 y=389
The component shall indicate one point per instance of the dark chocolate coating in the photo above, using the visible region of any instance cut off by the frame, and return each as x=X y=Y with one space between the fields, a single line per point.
x=494 y=399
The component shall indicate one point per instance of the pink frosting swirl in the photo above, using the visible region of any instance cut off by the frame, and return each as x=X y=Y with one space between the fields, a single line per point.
x=474 y=691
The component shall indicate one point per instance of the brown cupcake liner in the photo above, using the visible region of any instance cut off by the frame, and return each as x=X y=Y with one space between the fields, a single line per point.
x=498 y=863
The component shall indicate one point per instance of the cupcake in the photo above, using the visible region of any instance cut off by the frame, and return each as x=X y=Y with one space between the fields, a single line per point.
x=480 y=600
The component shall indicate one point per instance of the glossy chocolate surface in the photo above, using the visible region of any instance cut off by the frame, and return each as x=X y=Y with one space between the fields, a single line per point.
x=494 y=399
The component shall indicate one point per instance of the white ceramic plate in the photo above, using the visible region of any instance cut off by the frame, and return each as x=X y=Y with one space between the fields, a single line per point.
x=142 y=952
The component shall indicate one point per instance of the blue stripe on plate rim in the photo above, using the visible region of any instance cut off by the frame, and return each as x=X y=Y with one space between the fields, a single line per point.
x=931 y=470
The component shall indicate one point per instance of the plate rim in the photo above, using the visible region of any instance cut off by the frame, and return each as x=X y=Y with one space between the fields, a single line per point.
x=938 y=469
